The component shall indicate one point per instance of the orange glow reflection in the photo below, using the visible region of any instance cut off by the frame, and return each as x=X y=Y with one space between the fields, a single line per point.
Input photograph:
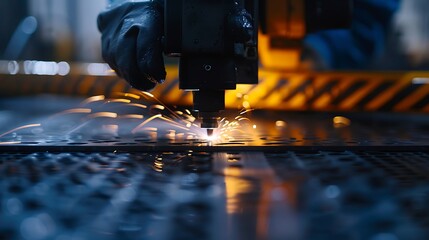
x=235 y=186
x=340 y=121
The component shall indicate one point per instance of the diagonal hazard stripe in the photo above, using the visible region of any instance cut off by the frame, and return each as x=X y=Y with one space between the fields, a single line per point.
x=422 y=104
x=407 y=103
x=113 y=86
x=334 y=91
x=383 y=97
x=267 y=83
x=367 y=94
x=349 y=90
x=55 y=84
x=426 y=109
x=399 y=96
x=76 y=85
x=319 y=91
x=120 y=87
x=86 y=85
x=300 y=89
x=281 y=84
x=276 y=99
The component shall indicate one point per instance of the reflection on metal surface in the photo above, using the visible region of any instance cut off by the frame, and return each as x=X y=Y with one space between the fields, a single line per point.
x=198 y=195
x=235 y=187
x=281 y=124
x=158 y=164
x=252 y=188
x=340 y=122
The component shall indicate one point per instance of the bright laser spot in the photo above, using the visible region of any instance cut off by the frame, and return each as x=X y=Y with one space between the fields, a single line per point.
x=212 y=138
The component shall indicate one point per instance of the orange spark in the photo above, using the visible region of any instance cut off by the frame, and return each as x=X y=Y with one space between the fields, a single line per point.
x=130 y=95
x=93 y=99
x=20 y=128
x=145 y=122
x=173 y=123
x=148 y=94
x=119 y=100
x=157 y=106
x=9 y=143
x=132 y=116
x=244 y=119
x=103 y=114
x=137 y=105
x=72 y=111
x=246 y=111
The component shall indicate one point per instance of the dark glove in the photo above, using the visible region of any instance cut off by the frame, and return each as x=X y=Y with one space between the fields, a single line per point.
x=132 y=42
x=240 y=24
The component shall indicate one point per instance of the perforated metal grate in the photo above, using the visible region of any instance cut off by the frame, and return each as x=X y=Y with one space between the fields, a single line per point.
x=103 y=196
x=367 y=192
x=199 y=195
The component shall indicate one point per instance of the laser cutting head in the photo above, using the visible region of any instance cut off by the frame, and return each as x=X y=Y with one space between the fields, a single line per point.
x=214 y=53
x=213 y=56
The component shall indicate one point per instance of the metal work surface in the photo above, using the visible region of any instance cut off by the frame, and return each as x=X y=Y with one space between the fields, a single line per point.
x=108 y=125
x=100 y=169
x=194 y=195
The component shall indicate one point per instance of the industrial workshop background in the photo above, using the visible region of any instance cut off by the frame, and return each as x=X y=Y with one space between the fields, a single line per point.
x=58 y=51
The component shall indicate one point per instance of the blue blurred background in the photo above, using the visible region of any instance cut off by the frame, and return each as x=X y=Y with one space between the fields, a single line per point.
x=65 y=30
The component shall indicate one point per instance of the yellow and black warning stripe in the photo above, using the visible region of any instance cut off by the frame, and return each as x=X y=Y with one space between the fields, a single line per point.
x=327 y=91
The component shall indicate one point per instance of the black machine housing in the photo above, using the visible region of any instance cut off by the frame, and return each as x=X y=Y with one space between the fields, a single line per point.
x=210 y=60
